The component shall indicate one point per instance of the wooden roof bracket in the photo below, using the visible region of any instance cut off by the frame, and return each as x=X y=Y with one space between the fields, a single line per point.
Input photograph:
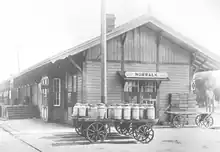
x=85 y=54
x=74 y=64
x=200 y=65
x=194 y=56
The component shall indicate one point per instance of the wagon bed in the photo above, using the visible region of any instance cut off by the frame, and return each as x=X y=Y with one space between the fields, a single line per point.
x=185 y=112
x=88 y=119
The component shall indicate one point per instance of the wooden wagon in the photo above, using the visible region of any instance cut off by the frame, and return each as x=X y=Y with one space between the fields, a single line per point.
x=97 y=130
x=203 y=119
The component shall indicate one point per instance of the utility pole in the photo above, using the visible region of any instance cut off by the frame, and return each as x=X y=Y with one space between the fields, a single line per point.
x=18 y=61
x=103 y=54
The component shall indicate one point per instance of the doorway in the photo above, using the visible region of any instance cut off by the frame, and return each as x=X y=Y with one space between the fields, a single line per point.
x=71 y=88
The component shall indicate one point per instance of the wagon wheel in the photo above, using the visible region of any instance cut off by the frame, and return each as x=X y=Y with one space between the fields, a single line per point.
x=198 y=120
x=108 y=129
x=135 y=131
x=117 y=127
x=78 y=128
x=208 y=122
x=145 y=134
x=96 y=132
x=135 y=134
x=125 y=128
x=131 y=129
x=178 y=121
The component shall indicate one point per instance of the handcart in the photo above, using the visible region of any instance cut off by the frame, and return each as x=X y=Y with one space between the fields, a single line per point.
x=97 y=130
x=204 y=119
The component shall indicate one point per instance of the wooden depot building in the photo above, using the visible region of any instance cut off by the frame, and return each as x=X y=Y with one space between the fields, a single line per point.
x=145 y=60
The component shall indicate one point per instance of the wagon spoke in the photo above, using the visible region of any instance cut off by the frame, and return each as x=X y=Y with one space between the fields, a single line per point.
x=96 y=138
x=100 y=128
x=91 y=133
x=93 y=127
x=91 y=130
x=97 y=126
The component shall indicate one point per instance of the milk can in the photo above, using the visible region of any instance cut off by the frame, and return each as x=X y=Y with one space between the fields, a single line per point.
x=117 y=112
x=142 y=112
x=110 y=112
x=135 y=112
x=151 y=112
x=76 y=110
x=145 y=110
x=92 y=111
x=101 y=111
x=127 y=112
x=82 y=110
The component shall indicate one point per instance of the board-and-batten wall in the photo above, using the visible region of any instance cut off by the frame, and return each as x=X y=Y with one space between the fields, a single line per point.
x=140 y=46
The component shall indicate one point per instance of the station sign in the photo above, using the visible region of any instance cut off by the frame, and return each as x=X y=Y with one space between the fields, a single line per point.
x=146 y=75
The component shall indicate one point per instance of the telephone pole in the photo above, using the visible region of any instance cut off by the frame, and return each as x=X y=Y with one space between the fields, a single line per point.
x=18 y=61
x=103 y=54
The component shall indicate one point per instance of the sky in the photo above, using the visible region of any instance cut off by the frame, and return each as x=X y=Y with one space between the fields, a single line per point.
x=38 y=29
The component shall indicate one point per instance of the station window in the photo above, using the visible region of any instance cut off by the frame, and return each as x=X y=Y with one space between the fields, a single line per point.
x=57 y=91
x=140 y=91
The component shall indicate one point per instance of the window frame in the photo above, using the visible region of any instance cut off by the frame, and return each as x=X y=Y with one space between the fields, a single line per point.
x=55 y=103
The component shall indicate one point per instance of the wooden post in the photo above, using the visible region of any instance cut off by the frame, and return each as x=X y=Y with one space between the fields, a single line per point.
x=104 y=56
x=158 y=38
x=122 y=41
x=191 y=71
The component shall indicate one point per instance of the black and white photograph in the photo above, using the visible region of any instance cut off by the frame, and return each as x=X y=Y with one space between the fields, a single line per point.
x=110 y=75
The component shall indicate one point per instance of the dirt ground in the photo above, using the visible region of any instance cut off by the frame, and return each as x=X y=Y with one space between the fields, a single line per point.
x=166 y=140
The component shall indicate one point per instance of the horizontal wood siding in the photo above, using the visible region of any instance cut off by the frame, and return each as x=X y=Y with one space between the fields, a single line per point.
x=179 y=82
x=140 y=46
x=114 y=83
x=172 y=53
x=93 y=84
x=93 y=77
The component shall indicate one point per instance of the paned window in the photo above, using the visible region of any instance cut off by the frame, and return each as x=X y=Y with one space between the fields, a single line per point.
x=57 y=91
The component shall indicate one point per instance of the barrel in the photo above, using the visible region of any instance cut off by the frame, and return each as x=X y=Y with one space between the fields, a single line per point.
x=127 y=112
x=135 y=112
x=93 y=111
x=76 y=110
x=110 y=112
x=141 y=112
x=101 y=111
x=151 y=112
x=118 y=112
x=82 y=110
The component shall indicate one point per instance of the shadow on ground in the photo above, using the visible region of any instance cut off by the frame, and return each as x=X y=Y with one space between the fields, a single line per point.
x=68 y=139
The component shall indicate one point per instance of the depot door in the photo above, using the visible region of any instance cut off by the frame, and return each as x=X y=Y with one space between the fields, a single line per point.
x=71 y=95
